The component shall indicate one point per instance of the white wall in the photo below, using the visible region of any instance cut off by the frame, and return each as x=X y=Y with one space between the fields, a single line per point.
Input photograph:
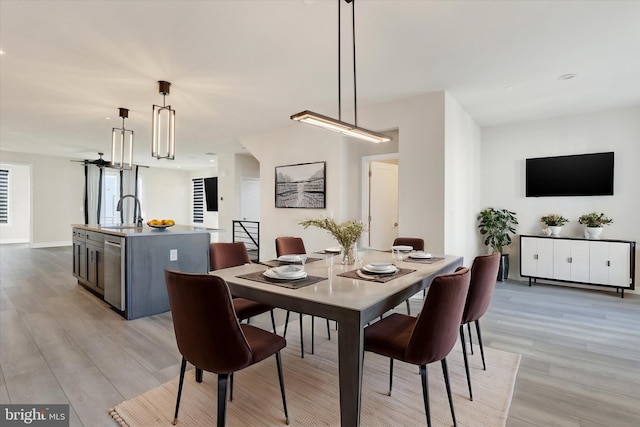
x=462 y=186
x=232 y=167
x=58 y=196
x=296 y=143
x=421 y=145
x=167 y=194
x=505 y=148
x=17 y=230
x=420 y=122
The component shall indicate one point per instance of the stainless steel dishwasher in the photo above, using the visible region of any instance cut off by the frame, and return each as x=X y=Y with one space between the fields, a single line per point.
x=114 y=280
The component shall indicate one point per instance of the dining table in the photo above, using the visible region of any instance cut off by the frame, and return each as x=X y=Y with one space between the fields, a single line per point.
x=341 y=293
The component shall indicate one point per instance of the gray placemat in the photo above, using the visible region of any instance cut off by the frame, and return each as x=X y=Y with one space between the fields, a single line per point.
x=276 y=263
x=380 y=278
x=291 y=284
x=424 y=261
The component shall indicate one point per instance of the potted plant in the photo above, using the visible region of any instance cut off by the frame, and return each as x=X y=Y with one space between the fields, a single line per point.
x=594 y=222
x=346 y=233
x=497 y=226
x=554 y=222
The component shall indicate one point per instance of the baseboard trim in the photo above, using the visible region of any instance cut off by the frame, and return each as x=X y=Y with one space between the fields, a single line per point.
x=49 y=244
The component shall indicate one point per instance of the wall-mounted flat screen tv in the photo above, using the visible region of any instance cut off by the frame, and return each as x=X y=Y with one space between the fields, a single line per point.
x=211 y=193
x=577 y=175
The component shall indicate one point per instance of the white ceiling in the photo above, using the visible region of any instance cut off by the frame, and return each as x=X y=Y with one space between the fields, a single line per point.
x=240 y=68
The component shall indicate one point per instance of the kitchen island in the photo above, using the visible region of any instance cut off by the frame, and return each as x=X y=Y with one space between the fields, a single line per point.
x=125 y=265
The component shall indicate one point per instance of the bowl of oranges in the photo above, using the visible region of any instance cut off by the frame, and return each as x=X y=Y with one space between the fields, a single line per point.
x=161 y=224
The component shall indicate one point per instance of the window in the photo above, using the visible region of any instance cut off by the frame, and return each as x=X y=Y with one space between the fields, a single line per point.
x=4 y=196
x=110 y=197
x=198 y=200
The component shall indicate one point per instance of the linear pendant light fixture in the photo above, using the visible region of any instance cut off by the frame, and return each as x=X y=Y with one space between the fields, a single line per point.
x=352 y=130
x=121 y=149
x=163 y=132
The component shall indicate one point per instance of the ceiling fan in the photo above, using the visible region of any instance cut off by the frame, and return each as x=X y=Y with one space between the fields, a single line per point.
x=101 y=163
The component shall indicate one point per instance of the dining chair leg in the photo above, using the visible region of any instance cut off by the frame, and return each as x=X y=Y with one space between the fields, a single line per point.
x=183 y=367
x=484 y=366
x=470 y=339
x=198 y=375
x=390 y=375
x=328 y=331
x=466 y=360
x=425 y=392
x=273 y=321
x=231 y=387
x=301 y=338
x=445 y=372
x=408 y=307
x=286 y=323
x=280 y=377
x=313 y=333
x=222 y=398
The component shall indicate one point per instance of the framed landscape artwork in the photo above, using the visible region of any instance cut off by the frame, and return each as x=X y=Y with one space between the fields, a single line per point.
x=301 y=186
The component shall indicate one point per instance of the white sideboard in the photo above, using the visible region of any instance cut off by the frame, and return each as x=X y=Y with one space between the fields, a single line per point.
x=566 y=259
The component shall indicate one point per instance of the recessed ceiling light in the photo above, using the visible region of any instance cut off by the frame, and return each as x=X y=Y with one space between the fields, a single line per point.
x=508 y=87
x=107 y=118
x=1 y=52
x=567 y=76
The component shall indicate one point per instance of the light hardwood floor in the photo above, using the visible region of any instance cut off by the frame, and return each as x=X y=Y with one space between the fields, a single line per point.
x=60 y=344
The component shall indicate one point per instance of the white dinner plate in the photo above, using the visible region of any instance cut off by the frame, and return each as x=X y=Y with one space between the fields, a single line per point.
x=333 y=250
x=379 y=266
x=402 y=248
x=287 y=272
x=289 y=258
x=388 y=270
x=420 y=255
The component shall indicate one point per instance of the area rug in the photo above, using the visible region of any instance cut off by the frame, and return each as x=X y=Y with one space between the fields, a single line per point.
x=311 y=386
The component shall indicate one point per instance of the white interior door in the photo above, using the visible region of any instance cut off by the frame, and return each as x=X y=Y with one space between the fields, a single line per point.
x=250 y=199
x=383 y=204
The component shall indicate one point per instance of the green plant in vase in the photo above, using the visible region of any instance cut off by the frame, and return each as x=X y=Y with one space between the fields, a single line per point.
x=346 y=233
x=497 y=226
x=554 y=222
x=594 y=222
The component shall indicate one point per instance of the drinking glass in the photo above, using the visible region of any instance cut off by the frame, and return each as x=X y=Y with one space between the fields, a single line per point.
x=360 y=254
x=398 y=255
x=303 y=259
x=328 y=260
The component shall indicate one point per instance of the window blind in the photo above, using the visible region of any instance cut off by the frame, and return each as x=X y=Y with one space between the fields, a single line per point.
x=4 y=196
x=198 y=200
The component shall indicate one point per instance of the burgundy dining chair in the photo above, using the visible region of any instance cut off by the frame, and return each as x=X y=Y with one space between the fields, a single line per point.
x=418 y=245
x=225 y=255
x=484 y=273
x=210 y=336
x=427 y=338
x=295 y=246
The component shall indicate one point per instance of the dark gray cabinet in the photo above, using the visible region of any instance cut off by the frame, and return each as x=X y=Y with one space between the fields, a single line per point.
x=79 y=254
x=125 y=266
x=88 y=259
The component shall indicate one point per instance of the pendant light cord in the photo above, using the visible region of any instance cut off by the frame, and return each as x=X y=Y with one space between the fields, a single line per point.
x=355 y=95
x=339 y=67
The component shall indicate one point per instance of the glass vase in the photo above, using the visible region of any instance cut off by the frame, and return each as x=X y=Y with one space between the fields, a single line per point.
x=348 y=255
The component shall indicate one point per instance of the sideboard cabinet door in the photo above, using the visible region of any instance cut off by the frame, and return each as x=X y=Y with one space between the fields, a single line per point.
x=537 y=257
x=610 y=263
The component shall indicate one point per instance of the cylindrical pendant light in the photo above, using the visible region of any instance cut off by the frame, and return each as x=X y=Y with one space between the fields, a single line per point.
x=122 y=144
x=163 y=124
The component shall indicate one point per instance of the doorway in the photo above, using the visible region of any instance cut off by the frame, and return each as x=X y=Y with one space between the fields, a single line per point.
x=15 y=203
x=380 y=199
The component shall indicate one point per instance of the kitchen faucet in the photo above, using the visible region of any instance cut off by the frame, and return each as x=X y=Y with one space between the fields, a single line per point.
x=119 y=208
